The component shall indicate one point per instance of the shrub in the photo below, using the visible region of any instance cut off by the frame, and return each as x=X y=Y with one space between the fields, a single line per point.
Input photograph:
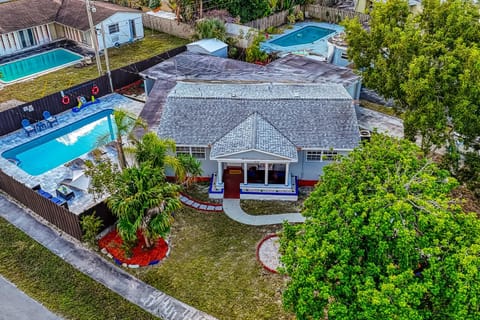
x=211 y=28
x=91 y=225
x=254 y=53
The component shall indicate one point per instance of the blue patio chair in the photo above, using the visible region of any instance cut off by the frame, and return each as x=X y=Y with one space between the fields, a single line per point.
x=51 y=120
x=28 y=127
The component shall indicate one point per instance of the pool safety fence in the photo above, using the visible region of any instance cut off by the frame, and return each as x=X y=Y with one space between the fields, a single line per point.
x=40 y=205
x=67 y=99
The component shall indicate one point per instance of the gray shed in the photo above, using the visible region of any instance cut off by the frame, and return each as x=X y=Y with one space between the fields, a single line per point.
x=212 y=47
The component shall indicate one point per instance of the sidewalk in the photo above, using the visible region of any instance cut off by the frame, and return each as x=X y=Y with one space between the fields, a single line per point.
x=15 y=304
x=102 y=271
x=232 y=209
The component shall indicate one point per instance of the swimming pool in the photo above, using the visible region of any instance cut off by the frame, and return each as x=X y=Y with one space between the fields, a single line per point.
x=42 y=62
x=304 y=38
x=60 y=146
x=308 y=34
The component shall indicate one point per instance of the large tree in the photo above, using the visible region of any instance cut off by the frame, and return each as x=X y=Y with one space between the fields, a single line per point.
x=382 y=240
x=428 y=63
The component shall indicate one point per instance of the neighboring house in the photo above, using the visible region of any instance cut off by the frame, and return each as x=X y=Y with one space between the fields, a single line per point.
x=258 y=132
x=27 y=24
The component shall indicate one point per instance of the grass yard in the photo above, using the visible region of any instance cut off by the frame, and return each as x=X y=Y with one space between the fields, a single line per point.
x=56 y=284
x=259 y=207
x=154 y=43
x=212 y=266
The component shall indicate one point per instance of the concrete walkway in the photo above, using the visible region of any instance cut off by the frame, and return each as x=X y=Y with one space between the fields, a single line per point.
x=100 y=270
x=232 y=209
x=15 y=304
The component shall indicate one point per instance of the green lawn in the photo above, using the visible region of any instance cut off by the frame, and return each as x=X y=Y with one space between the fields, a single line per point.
x=154 y=43
x=212 y=266
x=56 y=284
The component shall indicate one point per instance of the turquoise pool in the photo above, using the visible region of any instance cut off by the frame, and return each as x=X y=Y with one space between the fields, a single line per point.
x=39 y=63
x=305 y=35
x=65 y=144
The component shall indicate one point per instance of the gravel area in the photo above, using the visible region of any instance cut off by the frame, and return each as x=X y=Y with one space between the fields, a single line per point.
x=268 y=253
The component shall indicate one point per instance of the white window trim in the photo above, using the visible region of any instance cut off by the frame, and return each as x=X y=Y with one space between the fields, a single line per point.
x=335 y=152
x=191 y=153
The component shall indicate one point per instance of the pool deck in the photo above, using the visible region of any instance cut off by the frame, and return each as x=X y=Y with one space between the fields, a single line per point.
x=316 y=48
x=49 y=180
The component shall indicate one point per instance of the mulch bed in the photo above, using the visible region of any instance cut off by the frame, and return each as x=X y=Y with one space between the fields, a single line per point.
x=113 y=244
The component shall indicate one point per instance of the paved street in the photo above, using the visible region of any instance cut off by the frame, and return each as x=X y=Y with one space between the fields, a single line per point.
x=14 y=304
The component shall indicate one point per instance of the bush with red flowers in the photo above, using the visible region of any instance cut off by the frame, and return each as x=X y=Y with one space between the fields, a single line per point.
x=136 y=256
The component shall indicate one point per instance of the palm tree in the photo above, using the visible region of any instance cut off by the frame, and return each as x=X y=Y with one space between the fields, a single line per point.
x=144 y=201
x=124 y=124
x=161 y=153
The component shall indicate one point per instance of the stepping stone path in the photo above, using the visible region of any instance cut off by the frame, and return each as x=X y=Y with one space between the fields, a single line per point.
x=200 y=205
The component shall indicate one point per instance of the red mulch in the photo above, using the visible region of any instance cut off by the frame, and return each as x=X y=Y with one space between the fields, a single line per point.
x=112 y=242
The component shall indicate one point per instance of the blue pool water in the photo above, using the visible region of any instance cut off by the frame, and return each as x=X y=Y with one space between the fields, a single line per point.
x=304 y=35
x=65 y=144
x=38 y=63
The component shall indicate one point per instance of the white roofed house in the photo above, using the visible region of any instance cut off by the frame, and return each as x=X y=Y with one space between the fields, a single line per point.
x=255 y=139
x=28 y=24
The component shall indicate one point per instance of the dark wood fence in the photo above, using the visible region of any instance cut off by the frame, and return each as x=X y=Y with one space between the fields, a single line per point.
x=53 y=213
x=103 y=212
x=126 y=75
x=11 y=119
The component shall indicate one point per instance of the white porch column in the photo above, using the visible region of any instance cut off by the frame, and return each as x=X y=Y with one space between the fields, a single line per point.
x=220 y=173
x=245 y=173
x=266 y=173
x=286 y=173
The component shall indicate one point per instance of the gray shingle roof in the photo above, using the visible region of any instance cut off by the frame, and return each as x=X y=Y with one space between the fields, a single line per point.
x=289 y=69
x=22 y=14
x=326 y=119
x=254 y=133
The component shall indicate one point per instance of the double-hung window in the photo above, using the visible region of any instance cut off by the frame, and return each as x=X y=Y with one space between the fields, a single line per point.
x=113 y=28
x=321 y=155
x=196 y=152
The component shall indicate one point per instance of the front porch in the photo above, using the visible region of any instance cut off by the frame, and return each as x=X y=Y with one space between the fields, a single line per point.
x=257 y=191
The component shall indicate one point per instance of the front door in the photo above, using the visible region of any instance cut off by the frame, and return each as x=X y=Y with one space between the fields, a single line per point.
x=133 y=31
x=232 y=178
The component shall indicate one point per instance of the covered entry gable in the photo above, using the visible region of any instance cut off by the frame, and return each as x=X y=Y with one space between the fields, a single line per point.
x=254 y=139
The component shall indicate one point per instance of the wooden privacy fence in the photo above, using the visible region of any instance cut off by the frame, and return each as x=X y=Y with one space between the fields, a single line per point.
x=124 y=76
x=274 y=20
x=333 y=15
x=11 y=119
x=173 y=27
x=53 y=213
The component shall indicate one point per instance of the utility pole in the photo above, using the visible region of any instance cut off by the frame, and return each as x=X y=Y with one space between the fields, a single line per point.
x=93 y=35
x=105 y=52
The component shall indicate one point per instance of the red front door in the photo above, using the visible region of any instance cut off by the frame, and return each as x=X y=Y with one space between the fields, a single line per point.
x=232 y=178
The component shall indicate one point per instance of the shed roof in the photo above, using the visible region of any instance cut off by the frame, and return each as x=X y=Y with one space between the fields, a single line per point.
x=210 y=45
x=202 y=113
x=23 y=14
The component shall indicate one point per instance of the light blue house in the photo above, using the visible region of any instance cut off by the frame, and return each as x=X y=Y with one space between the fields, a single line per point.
x=255 y=139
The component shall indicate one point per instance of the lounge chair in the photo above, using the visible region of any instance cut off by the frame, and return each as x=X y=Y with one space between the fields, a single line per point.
x=51 y=120
x=79 y=181
x=28 y=127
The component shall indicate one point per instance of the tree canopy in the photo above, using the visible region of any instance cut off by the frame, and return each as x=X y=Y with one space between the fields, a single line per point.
x=429 y=63
x=383 y=240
